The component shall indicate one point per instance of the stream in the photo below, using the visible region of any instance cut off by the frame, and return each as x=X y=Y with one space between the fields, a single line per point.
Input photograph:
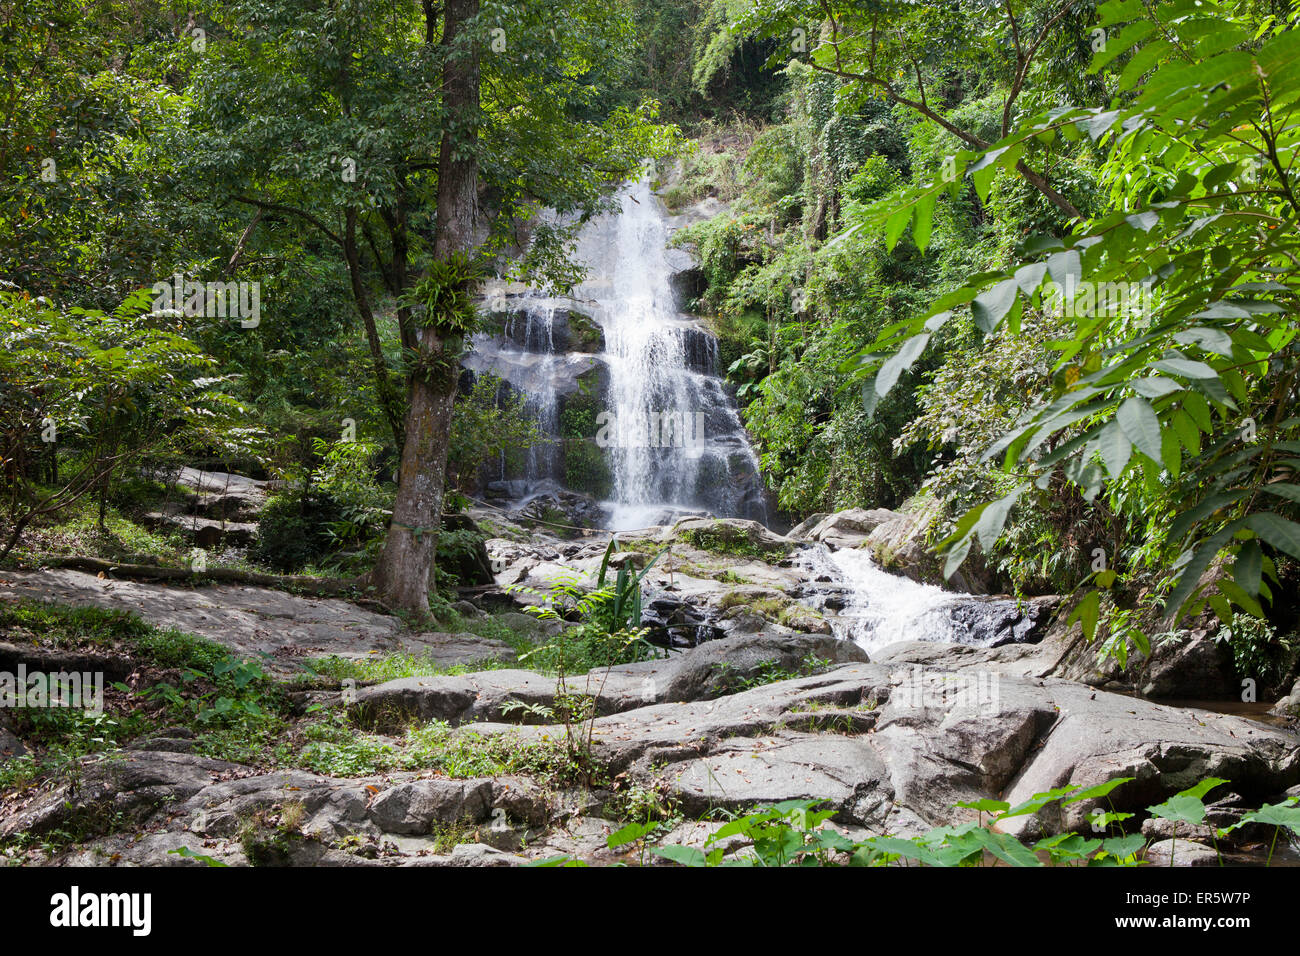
x=874 y=608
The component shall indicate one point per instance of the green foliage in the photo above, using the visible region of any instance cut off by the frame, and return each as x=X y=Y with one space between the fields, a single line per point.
x=333 y=513
x=609 y=632
x=609 y=628
x=348 y=476
x=1258 y=651
x=587 y=469
x=336 y=747
x=182 y=680
x=791 y=834
x=446 y=294
x=231 y=690
x=293 y=529
x=1175 y=370
x=490 y=422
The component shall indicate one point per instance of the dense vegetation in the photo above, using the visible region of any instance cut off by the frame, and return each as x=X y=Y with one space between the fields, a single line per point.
x=1080 y=358
x=932 y=212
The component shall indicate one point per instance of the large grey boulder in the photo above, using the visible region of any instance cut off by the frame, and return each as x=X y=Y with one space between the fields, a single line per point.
x=1181 y=853
x=217 y=494
x=849 y=529
x=899 y=544
x=724 y=666
x=801 y=531
x=1289 y=706
x=415 y=807
x=170 y=800
x=710 y=670
x=129 y=789
x=253 y=621
x=729 y=534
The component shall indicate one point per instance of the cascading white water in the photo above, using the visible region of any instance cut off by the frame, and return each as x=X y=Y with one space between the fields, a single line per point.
x=668 y=432
x=538 y=338
x=882 y=608
x=875 y=608
x=673 y=430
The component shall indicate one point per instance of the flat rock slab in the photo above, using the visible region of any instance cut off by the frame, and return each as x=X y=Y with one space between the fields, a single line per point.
x=929 y=737
x=702 y=673
x=207 y=532
x=742 y=773
x=221 y=483
x=252 y=620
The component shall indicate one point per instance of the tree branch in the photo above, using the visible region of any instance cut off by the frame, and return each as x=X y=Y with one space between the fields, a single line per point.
x=293 y=211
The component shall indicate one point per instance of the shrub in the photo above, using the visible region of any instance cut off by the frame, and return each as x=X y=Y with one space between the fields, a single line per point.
x=294 y=530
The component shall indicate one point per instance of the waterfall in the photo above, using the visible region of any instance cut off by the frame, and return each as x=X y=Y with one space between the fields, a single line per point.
x=661 y=435
x=534 y=326
x=675 y=439
x=875 y=608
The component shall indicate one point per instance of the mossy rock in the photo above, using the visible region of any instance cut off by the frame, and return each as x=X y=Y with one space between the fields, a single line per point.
x=586 y=468
x=585 y=335
x=734 y=536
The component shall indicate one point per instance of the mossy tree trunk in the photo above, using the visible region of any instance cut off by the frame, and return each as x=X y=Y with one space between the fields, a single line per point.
x=405 y=569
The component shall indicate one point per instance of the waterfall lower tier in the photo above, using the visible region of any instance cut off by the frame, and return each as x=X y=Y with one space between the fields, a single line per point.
x=874 y=608
x=624 y=384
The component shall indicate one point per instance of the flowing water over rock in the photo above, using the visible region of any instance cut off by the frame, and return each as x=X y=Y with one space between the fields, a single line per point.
x=874 y=608
x=625 y=384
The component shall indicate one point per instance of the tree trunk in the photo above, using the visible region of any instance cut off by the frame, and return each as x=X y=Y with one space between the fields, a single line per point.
x=384 y=385
x=396 y=220
x=405 y=567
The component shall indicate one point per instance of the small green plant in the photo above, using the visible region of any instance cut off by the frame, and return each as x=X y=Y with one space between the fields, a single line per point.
x=189 y=854
x=638 y=833
x=1277 y=815
x=234 y=691
x=791 y=834
x=609 y=632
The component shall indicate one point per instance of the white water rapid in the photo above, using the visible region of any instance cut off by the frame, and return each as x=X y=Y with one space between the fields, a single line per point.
x=875 y=608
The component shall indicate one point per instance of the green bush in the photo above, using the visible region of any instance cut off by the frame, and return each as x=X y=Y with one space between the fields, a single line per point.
x=294 y=530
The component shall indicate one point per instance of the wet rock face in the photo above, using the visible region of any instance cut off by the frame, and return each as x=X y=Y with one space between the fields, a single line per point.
x=997 y=622
x=559 y=513
x=677 y=623
x=566 y=330
x=844 y=529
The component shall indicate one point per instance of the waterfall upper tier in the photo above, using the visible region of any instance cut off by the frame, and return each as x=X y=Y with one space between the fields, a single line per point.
x=624 y=383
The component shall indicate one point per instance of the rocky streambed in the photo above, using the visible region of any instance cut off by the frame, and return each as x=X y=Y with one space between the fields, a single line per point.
x=760 y=699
